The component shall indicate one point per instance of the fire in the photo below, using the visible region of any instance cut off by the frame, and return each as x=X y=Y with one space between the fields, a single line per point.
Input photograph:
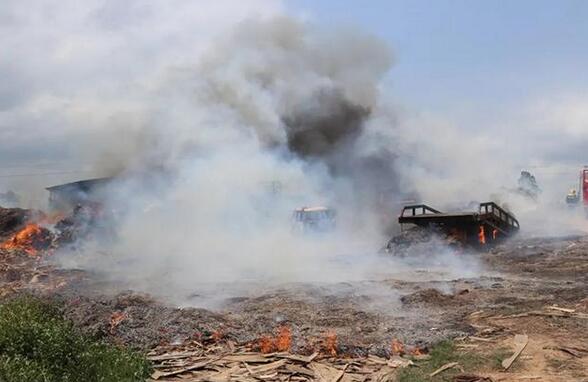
x=417 y=351
x=397 y=347
x=330 y=343
x=30 y=239
x=115 y=319
x=266 y=344
x=217 y=335
x=482 y=235
x=282 y=342
x=284 y=339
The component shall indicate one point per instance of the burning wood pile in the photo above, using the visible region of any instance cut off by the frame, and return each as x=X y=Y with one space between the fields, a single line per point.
x=34 y=232
x=26 y=238
x=30 y=239
x=230 y=362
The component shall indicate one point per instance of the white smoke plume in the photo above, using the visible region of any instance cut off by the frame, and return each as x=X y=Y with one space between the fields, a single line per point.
x=221 y=119
x=271 y=117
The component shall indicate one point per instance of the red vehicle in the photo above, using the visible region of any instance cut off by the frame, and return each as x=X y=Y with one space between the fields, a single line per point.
x=584 y=185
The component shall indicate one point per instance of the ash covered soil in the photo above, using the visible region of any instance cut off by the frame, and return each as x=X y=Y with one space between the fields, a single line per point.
x=418 y=305
x=532 y=286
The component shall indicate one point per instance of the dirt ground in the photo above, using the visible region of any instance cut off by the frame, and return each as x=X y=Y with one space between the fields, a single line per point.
x=534 y=286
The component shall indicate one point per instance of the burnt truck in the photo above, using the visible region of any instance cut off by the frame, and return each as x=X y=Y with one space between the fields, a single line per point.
x=482 y=228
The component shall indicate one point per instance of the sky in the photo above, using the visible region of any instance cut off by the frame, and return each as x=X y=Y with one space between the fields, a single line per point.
x=469 y=78
x=455 y=56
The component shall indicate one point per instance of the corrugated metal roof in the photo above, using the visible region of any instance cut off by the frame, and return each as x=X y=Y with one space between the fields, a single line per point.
x=85 y=185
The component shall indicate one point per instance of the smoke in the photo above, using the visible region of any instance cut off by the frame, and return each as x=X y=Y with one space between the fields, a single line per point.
x=455 y=162
x=221 y=119
x=274 y=116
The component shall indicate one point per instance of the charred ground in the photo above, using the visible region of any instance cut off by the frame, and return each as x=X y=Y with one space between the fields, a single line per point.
x=523 y=287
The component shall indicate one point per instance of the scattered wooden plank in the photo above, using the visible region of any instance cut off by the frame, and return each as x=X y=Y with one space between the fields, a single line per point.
x=520 y=341
x=294 y=369
x=327 y=373
x=249 y=358
x=571 y=350
x=266 y=368
x=222 y=376
x=377 y=360
x=298 y=358
x=171 y=356
x=443 y=368
x=473 y=338
x=341 y=373
x=399 y=362
x=565 y=310
x=471 y=378
x=158 y=374
x=544 y=314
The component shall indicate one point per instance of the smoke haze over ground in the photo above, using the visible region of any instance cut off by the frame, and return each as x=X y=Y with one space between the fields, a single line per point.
x=220 y=104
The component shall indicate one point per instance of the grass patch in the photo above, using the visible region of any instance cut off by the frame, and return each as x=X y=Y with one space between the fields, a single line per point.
x=500 y=355
x=37 y=344
x=441 y=354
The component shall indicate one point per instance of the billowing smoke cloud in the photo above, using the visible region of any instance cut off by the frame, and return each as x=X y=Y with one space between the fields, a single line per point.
x=274 y=116
x=73 y=97
x=220 y=120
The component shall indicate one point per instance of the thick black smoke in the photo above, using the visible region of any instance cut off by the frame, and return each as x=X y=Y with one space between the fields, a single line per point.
x=324 y=124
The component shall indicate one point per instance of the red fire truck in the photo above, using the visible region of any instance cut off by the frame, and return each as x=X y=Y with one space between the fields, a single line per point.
x=584 y=185
x=574 y=197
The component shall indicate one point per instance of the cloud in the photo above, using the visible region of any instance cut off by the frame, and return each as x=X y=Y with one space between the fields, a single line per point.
x=73 y=66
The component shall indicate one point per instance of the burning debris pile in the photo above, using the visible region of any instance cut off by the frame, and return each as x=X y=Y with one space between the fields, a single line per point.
x=34 y=231
x=12 y=220
x=30 y=239
x=228 y=362
x=482 y=229
x=23 y=230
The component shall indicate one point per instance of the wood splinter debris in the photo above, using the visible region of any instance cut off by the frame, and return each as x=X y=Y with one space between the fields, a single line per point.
x=520 y=341
x=443 y=368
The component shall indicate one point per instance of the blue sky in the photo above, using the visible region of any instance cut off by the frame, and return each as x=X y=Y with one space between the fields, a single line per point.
x=465 y=55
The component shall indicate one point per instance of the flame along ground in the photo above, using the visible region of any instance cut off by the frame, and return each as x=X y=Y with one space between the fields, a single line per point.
x=35 y=235
x=281 y=343
x=30 y=239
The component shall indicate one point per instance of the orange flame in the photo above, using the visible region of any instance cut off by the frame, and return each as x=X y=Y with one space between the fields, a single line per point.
x=284 y=339
x=27 y=239
x=217 y=335
x=115 y=319
x=330 y=343
x=282 y=342
x=482 y=235
x=397 y=347
x=417 y=351
x=266 y=344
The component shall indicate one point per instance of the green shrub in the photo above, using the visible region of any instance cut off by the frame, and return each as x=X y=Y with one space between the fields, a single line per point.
x=37 y=344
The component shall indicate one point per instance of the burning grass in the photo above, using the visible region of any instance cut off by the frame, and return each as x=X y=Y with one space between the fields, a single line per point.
x=37 y=344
